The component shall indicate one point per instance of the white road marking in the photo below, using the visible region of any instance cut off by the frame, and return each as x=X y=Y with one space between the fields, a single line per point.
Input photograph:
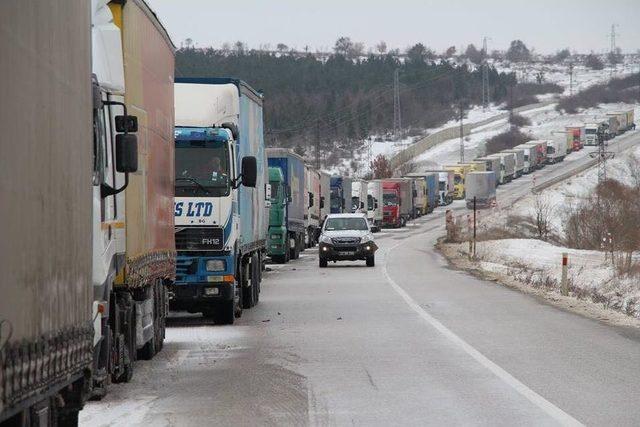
x=546 y=406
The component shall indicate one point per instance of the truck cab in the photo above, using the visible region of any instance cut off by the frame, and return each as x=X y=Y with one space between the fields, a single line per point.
x=391 y=216
x=591 y=134
x=459 y=172
x=340 y=194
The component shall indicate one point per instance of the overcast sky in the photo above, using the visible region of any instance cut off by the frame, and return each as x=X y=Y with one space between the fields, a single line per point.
x=546 y=25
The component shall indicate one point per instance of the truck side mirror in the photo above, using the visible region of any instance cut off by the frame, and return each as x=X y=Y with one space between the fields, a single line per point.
x=249 y=171
x=361 y=205
x=288 y=190
x=375 y=204
x=415 y=193
x=310 y=200
x=126 y=152
x=126 y=124
x=321 y=202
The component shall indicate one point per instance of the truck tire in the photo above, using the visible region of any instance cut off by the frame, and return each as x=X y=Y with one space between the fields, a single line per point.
x=322 y=262
x=68 y=418
x=224 y=314
x=371 y=261
x=280 y=259
x=247 y=285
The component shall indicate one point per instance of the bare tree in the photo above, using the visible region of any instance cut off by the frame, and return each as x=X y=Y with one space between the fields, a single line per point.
x=543 y=210
x=381 y=47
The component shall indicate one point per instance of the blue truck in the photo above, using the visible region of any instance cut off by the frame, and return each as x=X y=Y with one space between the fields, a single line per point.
x=433 y=194
x=220 y=197
x=286 y=238
x=340 y=198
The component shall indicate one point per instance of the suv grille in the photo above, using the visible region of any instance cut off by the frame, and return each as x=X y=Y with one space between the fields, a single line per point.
x=199 y=239
x=345 y=241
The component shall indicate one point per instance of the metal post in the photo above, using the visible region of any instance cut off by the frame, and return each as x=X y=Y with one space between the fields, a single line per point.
x=474 y=226
x=565 y=266
x=461 y=133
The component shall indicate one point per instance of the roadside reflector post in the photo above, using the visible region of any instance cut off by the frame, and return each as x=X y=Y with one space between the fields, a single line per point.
x=565 y=266
x=474 y=226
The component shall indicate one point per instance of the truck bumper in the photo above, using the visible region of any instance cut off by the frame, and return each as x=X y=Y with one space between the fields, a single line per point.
x=195 y=297
x=277 y=241
x=196 y=287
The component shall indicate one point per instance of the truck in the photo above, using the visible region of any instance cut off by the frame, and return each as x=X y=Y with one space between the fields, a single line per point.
x=507 y=165
x=312 y=205
x=519 y=155
x=426 y=185
x=46 y=331
x=374 y=212
x=133 y=246
x=325 y=196
x=391 y=198
x=541 y=151
x=575 y=137
x=340 y=194
x=433 y=194
x=290 y=238
x=591 y=134
x=481 y=187
x=419 y=191
x=407 y=208
x=459 y=172
x=220 y=197
x=630 y=119
x=359 y=202
x=445 y=187
x=617 y=122
x=556 y=150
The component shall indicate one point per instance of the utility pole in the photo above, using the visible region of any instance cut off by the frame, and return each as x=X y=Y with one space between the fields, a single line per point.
x=570 y=78
x=613 y=48
x=397 y=119
x=461 y=132
x=602 y=155
x=318 y=144
x=485 y=76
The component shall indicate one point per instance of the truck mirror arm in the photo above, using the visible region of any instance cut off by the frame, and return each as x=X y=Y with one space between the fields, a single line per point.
x=107 y=190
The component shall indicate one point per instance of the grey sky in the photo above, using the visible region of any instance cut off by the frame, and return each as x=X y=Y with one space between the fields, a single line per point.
x=546 y=25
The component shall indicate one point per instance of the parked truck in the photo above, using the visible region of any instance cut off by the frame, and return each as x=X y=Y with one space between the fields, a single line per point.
x=507 y=166
x=530 y=157
x=391 y=199
x=617 y=122
x=556 y=150
x=591 y=134
x=575 y=137
x=459 y=172
x=340 y=194
x=312 y=205
x=220 y=197
x=445 y=187
x=481 y=189
x=631 y=124
x=407 y=208
x=290 y=240
x=519 y=157
x=325 y=196
x=374 y=195
x=359 y=202
x=134 y=257
x=46 y=333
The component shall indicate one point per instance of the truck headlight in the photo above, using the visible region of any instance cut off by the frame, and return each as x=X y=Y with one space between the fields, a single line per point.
x=216 y=265
x=276 y=236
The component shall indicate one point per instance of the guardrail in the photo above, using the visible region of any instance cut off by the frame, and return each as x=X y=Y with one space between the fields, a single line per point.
x=430 y=141
x=568 y=174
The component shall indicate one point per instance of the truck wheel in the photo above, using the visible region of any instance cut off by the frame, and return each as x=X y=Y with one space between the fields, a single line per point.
x=148 y=350
x=323 y=262
x=371 y=261
x=224 y=314
x=247 y=291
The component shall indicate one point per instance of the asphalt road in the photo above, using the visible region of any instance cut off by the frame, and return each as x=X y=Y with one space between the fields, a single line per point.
x=407 y=342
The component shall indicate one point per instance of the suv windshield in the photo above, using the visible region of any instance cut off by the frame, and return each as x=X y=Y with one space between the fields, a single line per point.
x=202 y=167
x=345 y=224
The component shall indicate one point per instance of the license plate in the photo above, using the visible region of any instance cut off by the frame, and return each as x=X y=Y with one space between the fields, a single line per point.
x=347 y=253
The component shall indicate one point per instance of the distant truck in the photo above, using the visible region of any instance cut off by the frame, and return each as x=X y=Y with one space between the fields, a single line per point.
x=481 y=187
x=459 y=172
x=520 y=165
x=325 y=196
x=374 y=195
x=312 y=205
x=391 y=201
x=556 y=150
x=530 y=156
x=426 y=186
x=620 y=123
x=47 y=330
x=575 y=137
x=507 y=166
x=541 y=152
x=220 y=207
x=445 y=186
x=591 y=134
x=340 y=194
x=359 y=202
x=287 y=244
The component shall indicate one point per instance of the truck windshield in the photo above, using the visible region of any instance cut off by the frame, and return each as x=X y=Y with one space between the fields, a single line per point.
x=390 y=199
x=346 y=224
x=202 y=167
x=590 y=131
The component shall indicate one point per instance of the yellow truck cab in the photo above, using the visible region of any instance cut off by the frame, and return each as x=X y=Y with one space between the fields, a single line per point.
x=459 y=172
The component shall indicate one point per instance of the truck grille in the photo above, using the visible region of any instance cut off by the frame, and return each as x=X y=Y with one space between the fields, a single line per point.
x=199 y=239
x=345 y=241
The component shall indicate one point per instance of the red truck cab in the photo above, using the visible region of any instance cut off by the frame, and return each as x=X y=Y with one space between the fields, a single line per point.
x=391 y=204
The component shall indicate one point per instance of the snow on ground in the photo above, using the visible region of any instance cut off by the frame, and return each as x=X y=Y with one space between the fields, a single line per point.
x=539 y=264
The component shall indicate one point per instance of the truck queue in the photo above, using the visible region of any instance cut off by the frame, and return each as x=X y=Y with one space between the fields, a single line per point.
x=160 y=193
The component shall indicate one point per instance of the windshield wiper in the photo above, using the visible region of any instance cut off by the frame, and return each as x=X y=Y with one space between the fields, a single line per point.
x=193 y=181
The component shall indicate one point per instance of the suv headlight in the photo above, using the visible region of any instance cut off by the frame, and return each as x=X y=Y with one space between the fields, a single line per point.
x=366 y=238
x=216 y=265
x=325 y=239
